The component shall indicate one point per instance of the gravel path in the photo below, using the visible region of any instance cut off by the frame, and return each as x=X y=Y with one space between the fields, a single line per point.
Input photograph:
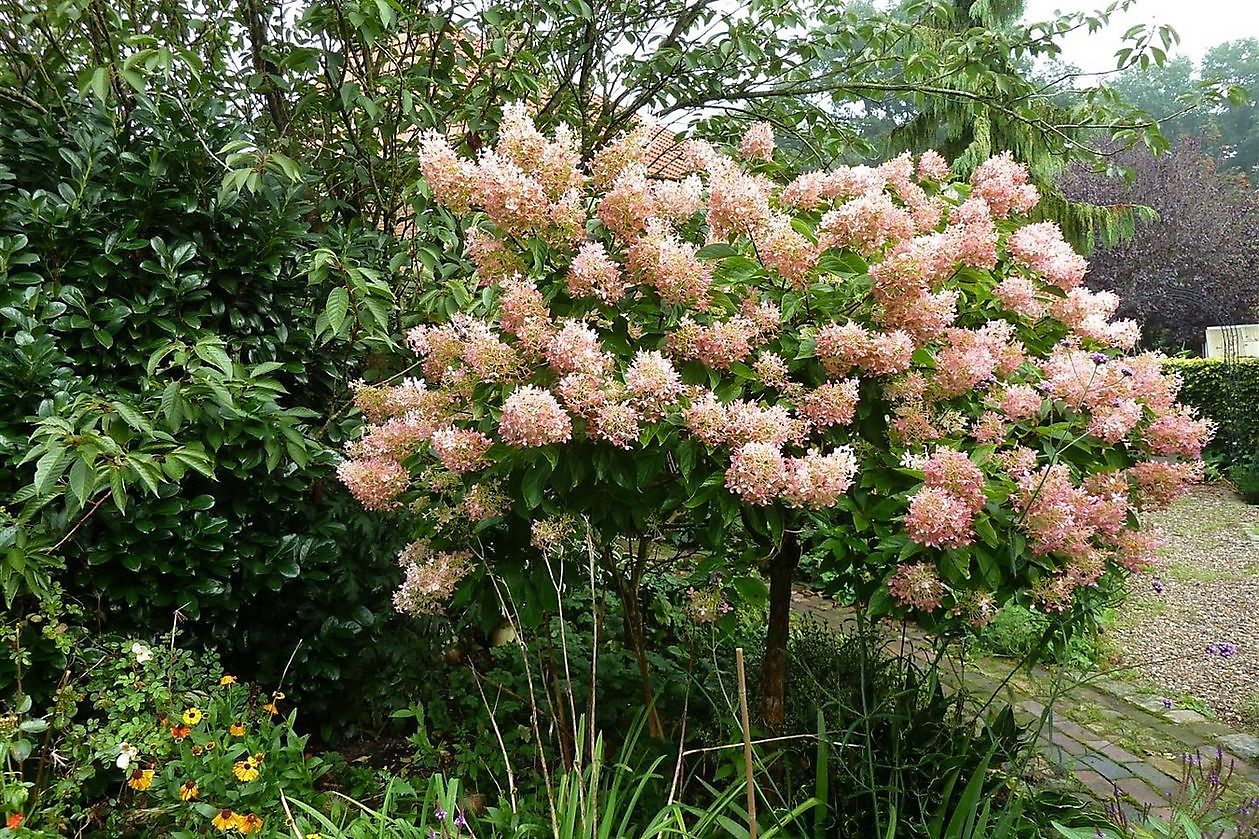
x=1210 y=579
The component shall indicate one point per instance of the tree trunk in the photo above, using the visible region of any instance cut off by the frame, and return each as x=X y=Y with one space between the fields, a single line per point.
x=782 y=568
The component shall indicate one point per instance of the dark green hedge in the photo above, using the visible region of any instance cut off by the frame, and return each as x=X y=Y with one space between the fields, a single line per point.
x=1227 y=392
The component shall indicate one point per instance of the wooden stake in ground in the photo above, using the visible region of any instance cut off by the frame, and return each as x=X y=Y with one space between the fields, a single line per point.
x=747 y=741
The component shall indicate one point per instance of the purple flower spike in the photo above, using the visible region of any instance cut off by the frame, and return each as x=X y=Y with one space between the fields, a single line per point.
x=439 y=814
x=1099 y=358
x=1158 y=586
x=1213 y=649
x=1228 y=650
x=460 y=821
x=1167 y=703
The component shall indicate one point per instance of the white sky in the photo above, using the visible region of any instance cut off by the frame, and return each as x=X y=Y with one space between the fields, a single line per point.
x=1201 y=24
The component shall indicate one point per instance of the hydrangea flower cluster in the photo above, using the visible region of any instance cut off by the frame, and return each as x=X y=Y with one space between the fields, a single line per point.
x=872 y=338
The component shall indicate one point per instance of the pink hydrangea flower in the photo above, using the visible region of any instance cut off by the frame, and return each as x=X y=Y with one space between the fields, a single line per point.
x=374 y=482
x=819 y=480
x=627 y=206
x=830 y=404
x=575 y=348
x=757 y=473
x=865 y=224
x=917 y=586
x=758 y=143
x=955 y=473
x=939 y=519
x=431 y=578
x=738 y=204
x=932 y=166
x=1002 y=183
x=653 y=381
x=532 y=417
x=449 y=178
x=460 y=450
x=616 y=423
x=593 y=273
x=1041 y=247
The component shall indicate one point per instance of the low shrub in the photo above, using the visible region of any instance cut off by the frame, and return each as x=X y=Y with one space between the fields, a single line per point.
x=1021 y=633
x=1245 y=477
x=144 y=737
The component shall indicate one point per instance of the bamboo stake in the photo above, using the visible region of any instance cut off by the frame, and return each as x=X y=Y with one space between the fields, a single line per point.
x=747 y=741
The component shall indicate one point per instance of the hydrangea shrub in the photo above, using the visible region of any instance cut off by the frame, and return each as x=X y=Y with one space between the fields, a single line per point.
x=880 y=356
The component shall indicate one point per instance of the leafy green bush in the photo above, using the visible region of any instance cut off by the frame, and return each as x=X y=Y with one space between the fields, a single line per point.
x=1227 y=392
x=1245 y=477
x=174 y=401
x=1020 y=633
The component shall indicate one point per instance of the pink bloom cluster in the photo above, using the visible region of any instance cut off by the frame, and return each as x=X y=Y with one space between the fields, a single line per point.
x=941 y=513
x=604 y=318
x=758 y=143
x=1042 y=248
x=431 y=577
x=532 y=417
x=760 y=474
x=375 y=482
x=917 y=586
x=1002 y=183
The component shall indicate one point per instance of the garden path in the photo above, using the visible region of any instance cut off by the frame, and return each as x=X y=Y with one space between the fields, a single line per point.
x=1109 y=734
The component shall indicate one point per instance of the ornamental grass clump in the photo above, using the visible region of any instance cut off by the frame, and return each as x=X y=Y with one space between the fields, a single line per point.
x=894 y=363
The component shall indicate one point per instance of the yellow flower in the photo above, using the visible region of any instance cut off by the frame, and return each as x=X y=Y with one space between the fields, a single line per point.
x=314 y=836
x=271 y=709
x=188 y=790
x=192 y=716
x=245 y=770
x=209 y=747
x=249 y=823
x=227 y=679
x=236 y=729
x=224 y=820
x=141 y=779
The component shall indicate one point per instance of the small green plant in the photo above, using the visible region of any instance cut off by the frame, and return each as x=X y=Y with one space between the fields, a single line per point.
x=1245 y=477
x=1249 y=710
x=1197 y=809
x=1020 y=633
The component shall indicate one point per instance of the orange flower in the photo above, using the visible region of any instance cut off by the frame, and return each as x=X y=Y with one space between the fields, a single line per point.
x=196 y=751
x=236 y=729
x=188 y=791
x=14 y=821
x=209 y=747
x=249 y=823
x=179 y=732
x=228 y=679
x=141 y=779
x=225 y=820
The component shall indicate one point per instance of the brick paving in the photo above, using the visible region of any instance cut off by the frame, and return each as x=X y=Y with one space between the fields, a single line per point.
x=1144 y=768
